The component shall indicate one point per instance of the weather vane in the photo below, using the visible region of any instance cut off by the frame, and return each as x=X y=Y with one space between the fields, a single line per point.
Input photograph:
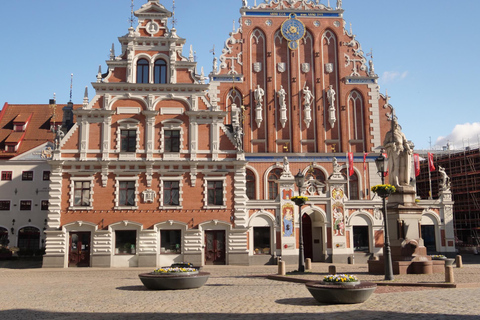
x=132 y=15
x=71 y=86
x=174 y=21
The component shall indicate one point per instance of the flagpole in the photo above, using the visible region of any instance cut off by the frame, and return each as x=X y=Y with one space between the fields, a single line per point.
x=348 y=176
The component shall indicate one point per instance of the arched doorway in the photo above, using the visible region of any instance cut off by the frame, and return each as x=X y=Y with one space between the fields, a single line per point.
x=29 y=240
x=307 y=236
x=4 y=237
x=428 y=233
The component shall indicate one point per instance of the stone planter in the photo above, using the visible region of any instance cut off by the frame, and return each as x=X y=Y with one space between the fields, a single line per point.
x=174 y=281
x=449 y=262
x=340 y=293
x=348 y=284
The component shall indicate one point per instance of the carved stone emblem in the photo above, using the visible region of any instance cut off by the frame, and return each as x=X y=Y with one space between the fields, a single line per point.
x=148 y=196
x=305 y=67
x=257 y=67
x=329 y=67
x=282 y=67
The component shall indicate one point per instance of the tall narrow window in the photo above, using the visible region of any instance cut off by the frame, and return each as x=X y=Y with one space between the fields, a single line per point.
x=81 y=194
x=171 y=192
x=128 y=140
x=171 y=241
x=172 y=140
x=251 y=185
x=127 y=193
x=215 y=193
x=142 y=71
x=46 y=175
x=273 y=176
x=352 y=185
x=160 y=71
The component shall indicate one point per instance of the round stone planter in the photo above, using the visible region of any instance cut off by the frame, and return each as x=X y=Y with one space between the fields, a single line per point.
x=449 y=262
x=348 y=284
x=174 y=281
x=341 y=293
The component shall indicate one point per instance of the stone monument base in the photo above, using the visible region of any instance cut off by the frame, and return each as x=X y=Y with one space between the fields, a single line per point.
x=415 y=266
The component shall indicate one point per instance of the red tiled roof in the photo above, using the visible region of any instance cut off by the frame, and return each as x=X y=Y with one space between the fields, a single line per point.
x=15 y=137
x=22 y=118
x=37 y=131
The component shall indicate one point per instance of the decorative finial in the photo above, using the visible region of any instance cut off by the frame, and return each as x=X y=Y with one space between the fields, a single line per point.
x=71 y=86
x=85 y=98
x=132 y=15
x=174 y=21
x=112 y=52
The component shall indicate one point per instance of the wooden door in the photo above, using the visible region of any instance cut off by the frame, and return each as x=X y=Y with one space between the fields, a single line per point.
x=307 y=236
x=215 y=247
x=79 y=253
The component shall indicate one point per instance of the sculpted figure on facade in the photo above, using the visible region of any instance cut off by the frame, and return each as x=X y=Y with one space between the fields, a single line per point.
x=339 y=4
x=331 y=96
x=399 y=154
x=286 y=168
x=245 y=3
x=307 y=96
x=281 y=97
x=238 y=135
x=259 y=93
x=445 y=181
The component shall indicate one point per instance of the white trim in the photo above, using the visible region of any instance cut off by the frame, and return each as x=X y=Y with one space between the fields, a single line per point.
x=179 y=179
x=207 y=206
x=117 y=192
x=74 y=179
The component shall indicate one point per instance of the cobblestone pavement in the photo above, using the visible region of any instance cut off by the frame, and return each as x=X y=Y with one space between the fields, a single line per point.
x=232 y=292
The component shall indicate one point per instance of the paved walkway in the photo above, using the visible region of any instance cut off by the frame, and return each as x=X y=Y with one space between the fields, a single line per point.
x=230 y=293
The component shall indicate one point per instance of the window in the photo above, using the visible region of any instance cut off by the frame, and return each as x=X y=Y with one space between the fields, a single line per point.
x=46 y=175
x=261 y=240
x=215 y=193
x=160 y=71
x=128 y=140
x=273 y=176
x=29 y=239
x=142 y=71
x=171 y=193
x=10 y=148
x=7 y=175
x=171 y=241
x=4 y=205
x=172 y=140
x=27 y=175
x=127 y=193
x=251 y=185
x=25 y=205
x=44 y=205
x=125 y=241
x=81 y=194
x=353 y=185
x=3 y=237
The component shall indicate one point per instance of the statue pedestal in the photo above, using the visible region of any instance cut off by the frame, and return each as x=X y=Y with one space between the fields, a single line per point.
x=409 y=254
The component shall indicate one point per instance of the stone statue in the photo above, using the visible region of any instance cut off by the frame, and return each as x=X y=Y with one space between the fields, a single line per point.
x=281 y=97
x=58 y=138
x=339 y=4
x=238 y=135
x=445 y=182
x=331 y=96
x=399 y=153
x=286 y=167
x=259 y=93
x=245 y=4
x=307 y=96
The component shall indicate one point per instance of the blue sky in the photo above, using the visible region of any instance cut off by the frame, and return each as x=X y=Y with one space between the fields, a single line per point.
x=426 y=53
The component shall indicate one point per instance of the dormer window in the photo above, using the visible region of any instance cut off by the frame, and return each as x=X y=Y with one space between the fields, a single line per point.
x=19 y=127
x=160 y=72
x=142 y=71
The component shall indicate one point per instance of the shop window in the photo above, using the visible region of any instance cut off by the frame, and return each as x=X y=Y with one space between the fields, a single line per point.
x=215 y=193
x=142 y=71
x=27 y=176
x=160 y=71
x=128 y=140
x=171 y=193
x=4 y=205
x=273 y=176
x=125 y=241
x=171 y=241
x=3 y=237
x=261 y=240
x=25 y=205
x=7 y=175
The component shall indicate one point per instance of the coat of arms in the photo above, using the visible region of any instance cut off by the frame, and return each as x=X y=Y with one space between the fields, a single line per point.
x=257 y=66
x=329 y=68
x=305 y=67
x=282 y=67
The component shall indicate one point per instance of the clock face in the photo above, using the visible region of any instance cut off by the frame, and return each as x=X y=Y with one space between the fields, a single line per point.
x=293 y=30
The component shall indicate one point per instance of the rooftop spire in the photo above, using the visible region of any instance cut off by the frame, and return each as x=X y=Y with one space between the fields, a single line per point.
x=71 y=86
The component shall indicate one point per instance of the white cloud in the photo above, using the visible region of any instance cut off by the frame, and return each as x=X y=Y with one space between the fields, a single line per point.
x=391 y=76
x=463 y=135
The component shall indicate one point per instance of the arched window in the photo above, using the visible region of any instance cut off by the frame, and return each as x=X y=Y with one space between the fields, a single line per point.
x=316 y=174
x=273 y=176
x=356 y=103
x=3 y=237
x=142 y=71
x=160 y=71
x=29 y=238
x=251 y=189
x=353 y=185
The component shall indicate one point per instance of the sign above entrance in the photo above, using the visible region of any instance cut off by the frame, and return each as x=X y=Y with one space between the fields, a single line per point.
x=293 y=30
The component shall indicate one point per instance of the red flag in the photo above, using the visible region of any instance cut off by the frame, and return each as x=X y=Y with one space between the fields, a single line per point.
x=350 y=164
x=416 y=160
x=431 y=165
x=365 y=161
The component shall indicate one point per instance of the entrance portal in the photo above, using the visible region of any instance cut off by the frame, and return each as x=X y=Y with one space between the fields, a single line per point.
x=215 y=247
x=428 y=235
x=307 y=237
x=79 y=253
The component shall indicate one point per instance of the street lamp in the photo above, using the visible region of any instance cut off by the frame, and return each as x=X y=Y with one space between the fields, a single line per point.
x=299 y=181
x=382 y=165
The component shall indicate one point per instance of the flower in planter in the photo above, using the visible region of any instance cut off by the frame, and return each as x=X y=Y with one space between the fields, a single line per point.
x=339 y=278
x=173 y=270
x=383 y=189
x=438 y=257
x=299 y=200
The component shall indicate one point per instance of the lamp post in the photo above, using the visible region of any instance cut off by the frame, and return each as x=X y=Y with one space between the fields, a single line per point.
x=299 y=181
x=382 y=165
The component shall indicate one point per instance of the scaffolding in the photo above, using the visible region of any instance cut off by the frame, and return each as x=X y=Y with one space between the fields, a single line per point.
x=463 y=168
